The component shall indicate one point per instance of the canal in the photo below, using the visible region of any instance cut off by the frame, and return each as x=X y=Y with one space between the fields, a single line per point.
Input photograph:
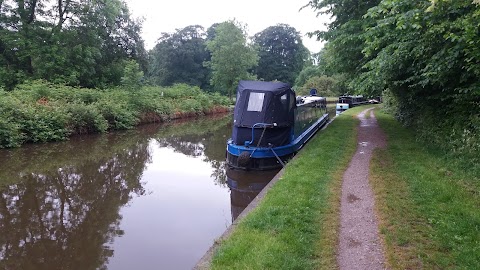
x=151 y=198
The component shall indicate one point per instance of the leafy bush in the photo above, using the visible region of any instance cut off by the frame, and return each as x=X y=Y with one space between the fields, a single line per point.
x=190 y=105
x=181 y=90
x=164 y=107
x=324 y=85
x=39 y=111
x=42 y=123
x=10 y=132
x=220 y=100
x=85 y=118
x=117 y=114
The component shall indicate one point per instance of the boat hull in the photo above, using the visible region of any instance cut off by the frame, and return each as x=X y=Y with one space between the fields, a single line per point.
x=269 y=158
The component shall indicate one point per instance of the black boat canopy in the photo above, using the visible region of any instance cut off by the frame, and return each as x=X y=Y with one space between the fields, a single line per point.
x=264 y=102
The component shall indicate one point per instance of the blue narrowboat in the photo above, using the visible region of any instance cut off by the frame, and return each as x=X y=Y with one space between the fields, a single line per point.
x=270 y=124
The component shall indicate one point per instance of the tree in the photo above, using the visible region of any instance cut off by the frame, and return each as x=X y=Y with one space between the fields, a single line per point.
x=282 y=54
x=325 y=86
x=75 y=42
x=344 y=36
x=306 y=74
x=232 y=58
x=132 y=75
x=179 y=57
x=424 y=54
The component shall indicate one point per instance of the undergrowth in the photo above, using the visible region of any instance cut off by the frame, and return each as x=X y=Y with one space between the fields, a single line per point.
x=39 y=111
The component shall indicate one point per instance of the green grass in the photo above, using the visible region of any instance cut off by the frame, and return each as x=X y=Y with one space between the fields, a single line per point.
x=296 y=224
x=429 y=206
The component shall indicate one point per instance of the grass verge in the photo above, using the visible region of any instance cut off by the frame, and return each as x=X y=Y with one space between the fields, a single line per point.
x=296 y=224
x=428 y=205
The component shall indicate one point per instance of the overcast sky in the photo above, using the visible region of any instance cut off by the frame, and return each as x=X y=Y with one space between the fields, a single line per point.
x=167 y=15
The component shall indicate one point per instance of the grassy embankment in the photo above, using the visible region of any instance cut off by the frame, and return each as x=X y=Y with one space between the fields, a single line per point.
x=40 y=112
x=429 y=203
x=295 y=226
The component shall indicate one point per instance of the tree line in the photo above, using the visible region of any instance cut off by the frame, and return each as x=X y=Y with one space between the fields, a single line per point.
x=422 y=56
x=73 y=42
x=94 y=44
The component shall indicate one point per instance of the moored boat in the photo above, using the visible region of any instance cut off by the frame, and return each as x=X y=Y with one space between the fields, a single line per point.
x=270 y=125
x=352 y=101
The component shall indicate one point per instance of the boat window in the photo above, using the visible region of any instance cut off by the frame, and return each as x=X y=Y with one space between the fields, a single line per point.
x=255 y=102
x=284 y=101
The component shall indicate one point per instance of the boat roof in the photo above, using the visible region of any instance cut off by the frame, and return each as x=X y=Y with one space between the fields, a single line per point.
x=275 y=87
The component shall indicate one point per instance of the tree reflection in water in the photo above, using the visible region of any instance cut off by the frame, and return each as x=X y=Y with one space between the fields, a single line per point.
x=62 y=219
x=204 y=138
x=61 y=209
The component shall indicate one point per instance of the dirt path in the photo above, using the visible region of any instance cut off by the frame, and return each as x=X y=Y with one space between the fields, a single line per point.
x=359 y=244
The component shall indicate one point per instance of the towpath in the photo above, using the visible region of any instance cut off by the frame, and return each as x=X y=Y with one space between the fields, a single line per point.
x=359 y=244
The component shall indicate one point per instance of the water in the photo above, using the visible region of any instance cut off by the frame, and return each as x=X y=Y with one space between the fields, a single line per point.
x=152 y=198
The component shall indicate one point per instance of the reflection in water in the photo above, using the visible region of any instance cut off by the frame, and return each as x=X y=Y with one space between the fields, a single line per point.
x=245 y=186
x=60 y=203
x=61 y=217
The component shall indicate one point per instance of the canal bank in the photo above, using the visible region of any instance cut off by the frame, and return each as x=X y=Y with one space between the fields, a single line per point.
x=38 y=111
x=426 y=204
x=282 y=225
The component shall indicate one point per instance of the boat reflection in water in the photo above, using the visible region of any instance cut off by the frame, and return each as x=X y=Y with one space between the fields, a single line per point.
x=245 y=186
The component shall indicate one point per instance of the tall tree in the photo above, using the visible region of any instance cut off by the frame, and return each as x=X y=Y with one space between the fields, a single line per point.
x=424 y=55
x=179 y=57
x=282 y=54
x=345 y=41
x=232 y=57
x=76 y=42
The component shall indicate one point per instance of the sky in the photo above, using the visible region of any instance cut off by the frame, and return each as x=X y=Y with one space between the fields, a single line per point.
x=167 y=16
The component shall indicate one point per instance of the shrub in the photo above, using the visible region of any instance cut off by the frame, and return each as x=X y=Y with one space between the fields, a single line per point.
x=164 y=107
x=190 y=105
x=181 y=90
x=10 y=133
x=42 y=123
x=39 y=111
x=117 y=114
x=85 y=118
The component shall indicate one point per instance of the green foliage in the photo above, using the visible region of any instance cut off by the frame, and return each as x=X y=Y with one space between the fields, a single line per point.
x=78 y=43
x=307 y=73
x=343 y=53
x=426 y=53
x=325 y=86
x=179 y=57
x=10 y=132
x=86 y=118
x=39 y=111
x=181 y=90
x=132 y=75
x=281 y=53
x=42 y=123
x=428 y=203
x=232 y=57
x=117 y=113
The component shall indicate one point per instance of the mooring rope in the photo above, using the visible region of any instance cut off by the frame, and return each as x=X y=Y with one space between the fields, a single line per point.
x=278 y=158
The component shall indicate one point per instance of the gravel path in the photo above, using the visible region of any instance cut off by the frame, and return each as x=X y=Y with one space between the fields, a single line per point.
x=359 y=244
